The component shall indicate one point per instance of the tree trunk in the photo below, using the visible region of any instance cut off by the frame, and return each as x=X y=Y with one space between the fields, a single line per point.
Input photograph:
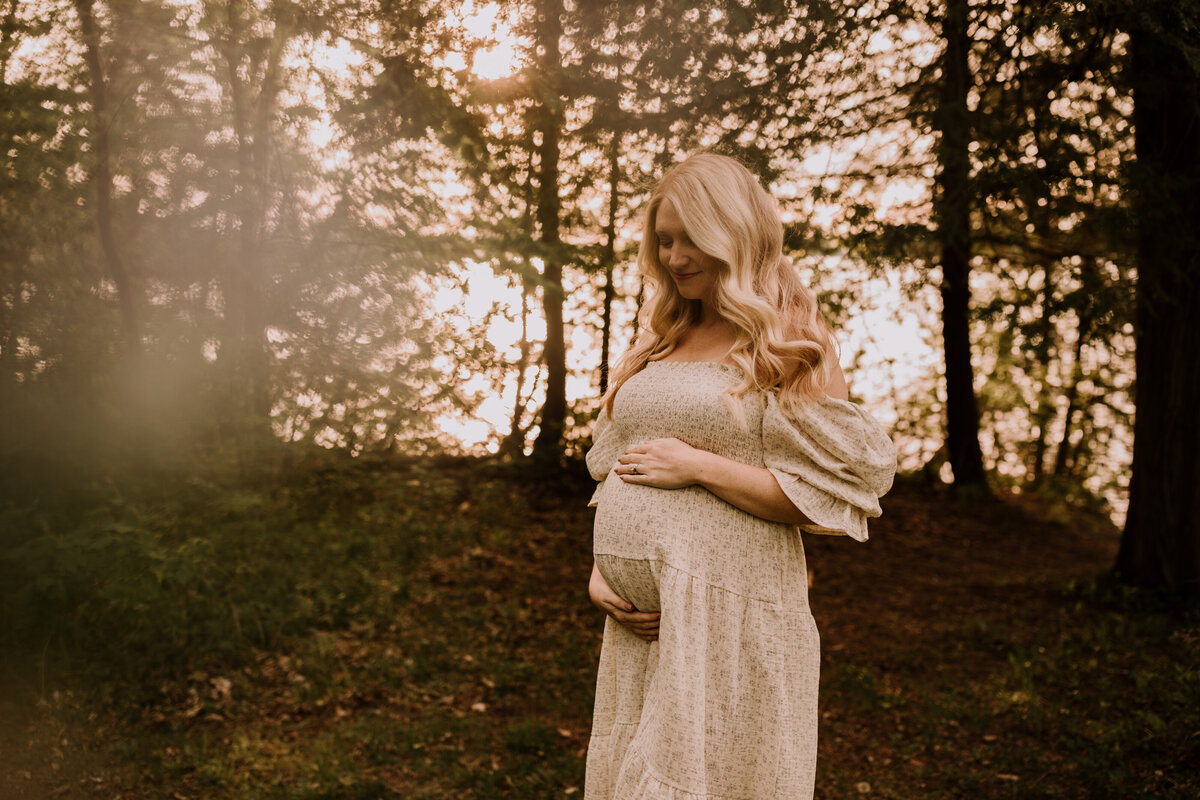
x=548 y=445
x=1063 y=453
x=8 y=311
x=952 y=210
x=610 y=259
x=1160 y=546
x=1045 y=412
x=252 y=121
x=102 y=174
x=514 y=442
x=1083 y=335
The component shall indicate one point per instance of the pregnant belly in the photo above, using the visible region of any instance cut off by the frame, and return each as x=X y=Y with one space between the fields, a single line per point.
x=637 y=530
x=642 y=522
x=640 y=529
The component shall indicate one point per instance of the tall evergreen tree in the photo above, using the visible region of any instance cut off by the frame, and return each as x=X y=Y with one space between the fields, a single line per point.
x=550 y=118
x=952 y=204
x=1160 y=546
x=1028 y=132
x=102 y=170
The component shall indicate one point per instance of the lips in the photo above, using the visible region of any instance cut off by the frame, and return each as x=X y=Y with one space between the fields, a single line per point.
x=684 y=276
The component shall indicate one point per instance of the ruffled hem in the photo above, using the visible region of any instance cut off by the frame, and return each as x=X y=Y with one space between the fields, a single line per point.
x=830 y=515
x=833 y=463
x=635 y=782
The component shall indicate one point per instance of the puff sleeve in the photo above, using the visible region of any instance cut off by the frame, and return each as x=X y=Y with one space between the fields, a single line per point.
x=833 y=463
x=607 y=446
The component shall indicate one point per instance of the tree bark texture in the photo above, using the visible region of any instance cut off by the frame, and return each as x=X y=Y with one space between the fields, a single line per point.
x=548 y=445
x=1160 y=546
x=102 y=174
x=953 y=214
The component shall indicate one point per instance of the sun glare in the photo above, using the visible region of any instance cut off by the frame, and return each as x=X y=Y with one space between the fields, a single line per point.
x=497 y=62
x=500 y=55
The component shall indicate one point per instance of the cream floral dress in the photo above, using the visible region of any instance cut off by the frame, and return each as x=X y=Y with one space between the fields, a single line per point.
x=724 y=705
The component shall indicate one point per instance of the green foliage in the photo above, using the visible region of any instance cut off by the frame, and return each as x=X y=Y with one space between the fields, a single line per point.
x=294 y=285
x=166 y=583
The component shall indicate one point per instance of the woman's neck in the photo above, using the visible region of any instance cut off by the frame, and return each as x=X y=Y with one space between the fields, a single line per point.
x=707 y=339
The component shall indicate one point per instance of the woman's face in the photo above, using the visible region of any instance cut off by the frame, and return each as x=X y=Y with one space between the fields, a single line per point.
x=694 y=272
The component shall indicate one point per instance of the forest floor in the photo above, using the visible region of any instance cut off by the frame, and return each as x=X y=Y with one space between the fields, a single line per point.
x=970 y=649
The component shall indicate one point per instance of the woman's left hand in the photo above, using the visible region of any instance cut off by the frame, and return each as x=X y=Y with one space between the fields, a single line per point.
x=662 y=463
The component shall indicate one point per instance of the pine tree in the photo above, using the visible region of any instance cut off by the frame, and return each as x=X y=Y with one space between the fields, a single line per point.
x=1160 y=546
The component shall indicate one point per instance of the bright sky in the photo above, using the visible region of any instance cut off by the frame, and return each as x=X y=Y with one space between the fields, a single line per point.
x=500 y=54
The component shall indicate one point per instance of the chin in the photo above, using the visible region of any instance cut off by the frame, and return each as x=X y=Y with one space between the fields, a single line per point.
x=689 y=291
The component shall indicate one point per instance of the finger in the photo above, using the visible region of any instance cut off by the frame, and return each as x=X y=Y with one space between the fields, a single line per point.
x=637 y=618
x=604 y=597
x=629 y=459
x=643 y=627
x=618 y=606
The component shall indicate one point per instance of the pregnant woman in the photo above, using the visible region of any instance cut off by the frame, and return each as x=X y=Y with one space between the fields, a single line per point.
x=726 y=430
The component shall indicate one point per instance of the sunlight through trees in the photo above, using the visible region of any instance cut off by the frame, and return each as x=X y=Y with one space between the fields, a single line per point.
x=234 y=223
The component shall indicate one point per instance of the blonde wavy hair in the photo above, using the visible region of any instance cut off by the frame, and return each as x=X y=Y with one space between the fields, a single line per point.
x=781 y=341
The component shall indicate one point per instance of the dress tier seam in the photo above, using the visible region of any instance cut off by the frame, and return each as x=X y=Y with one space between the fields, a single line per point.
x=775 y=606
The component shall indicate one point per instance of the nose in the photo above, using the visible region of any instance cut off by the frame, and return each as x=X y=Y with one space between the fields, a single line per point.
x=677 y=257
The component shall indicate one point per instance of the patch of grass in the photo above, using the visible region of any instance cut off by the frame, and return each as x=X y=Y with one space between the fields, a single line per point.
x=530 y=737
x=360 y=630
x=1095 y=698
x=146 y=589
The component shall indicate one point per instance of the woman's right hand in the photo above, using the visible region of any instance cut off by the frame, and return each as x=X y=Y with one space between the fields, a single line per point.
x=643 y=624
